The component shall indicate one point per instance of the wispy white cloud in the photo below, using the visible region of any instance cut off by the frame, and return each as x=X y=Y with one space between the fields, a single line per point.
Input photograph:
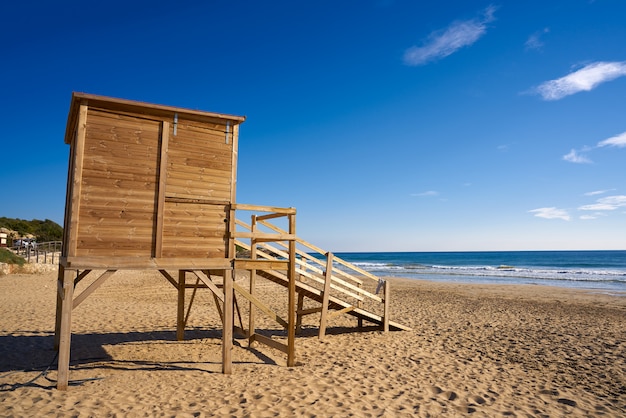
x=551 y=213
x=426 y=194
x=606 y=203
x=595 y=215
x=618 y=141
x=585 y=79
x=597 y=192
x=575 y=156
x=534 y=41
x=444 y=42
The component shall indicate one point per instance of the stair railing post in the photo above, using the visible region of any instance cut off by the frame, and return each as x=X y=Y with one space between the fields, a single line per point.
x=251 y=288
x=291 y=317
x=387 y=306
x=328 y=274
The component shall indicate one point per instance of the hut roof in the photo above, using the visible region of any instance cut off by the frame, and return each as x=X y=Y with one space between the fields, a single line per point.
x=147 y=109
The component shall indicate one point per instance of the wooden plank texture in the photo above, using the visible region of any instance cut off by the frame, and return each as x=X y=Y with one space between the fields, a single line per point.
x=199 y=162
x=117 y=204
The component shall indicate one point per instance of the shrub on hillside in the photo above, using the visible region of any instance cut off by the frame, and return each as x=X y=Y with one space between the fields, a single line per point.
x=8 y=257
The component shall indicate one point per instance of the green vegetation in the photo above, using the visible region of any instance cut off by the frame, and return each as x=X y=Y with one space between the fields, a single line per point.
x=42 y=230
x=8 y=257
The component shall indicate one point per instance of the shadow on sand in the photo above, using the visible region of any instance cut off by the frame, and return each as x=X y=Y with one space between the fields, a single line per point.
x=33 y=351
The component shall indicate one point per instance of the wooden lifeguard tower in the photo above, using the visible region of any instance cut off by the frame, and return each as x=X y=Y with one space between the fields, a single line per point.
x=152 y=187
x=149 y=187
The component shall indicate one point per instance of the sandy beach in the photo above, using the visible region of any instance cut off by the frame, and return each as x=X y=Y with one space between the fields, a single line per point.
x=477 y=350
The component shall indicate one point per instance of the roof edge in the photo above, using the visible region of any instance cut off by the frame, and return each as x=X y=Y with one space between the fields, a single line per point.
x=113 y=103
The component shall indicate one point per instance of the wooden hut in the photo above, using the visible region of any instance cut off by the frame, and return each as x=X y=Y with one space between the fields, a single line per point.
x=152 y=187
x=149 y=187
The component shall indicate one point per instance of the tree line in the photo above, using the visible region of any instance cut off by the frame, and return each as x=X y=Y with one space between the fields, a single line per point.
x=43 y=231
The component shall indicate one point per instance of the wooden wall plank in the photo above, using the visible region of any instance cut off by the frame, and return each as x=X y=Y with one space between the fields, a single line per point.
x=194 y=228
x=79 y=152
x=162 y=174
x=233 y=170
x=118 y=200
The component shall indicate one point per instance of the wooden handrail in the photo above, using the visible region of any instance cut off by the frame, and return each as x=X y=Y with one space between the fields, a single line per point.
x=321 y=251
x=307 y=265
x=257 y=208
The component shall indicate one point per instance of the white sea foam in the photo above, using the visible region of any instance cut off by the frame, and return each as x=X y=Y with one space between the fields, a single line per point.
x=491 y=271
x=569 y=269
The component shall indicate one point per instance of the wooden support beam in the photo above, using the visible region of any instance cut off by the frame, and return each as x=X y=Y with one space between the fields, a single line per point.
x=259 y=304
x=264 y=236
x=209 y=283
x=81 y=276
x=65 y=330
x=261 y=264
x=291 y=316
x=252 y=286
x=309 y=311
x=219 y=304
x=60 y=296
x=238 y=313
x=386 y=313
x=227 y=335
x=326 y=295
x=193 y=296
x=359 y=304
x=180 y=312
x=299 y=315
x=138 y=263
x=169 y=278
x=93 y=286
x=271 y=343
x=341 y=311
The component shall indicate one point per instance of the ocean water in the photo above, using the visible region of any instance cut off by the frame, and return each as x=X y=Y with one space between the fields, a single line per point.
x=575 y=269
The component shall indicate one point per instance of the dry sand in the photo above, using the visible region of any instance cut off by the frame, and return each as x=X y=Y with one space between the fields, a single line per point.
x=520 y=351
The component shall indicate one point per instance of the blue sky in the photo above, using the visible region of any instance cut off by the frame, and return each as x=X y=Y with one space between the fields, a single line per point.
x=391 y=125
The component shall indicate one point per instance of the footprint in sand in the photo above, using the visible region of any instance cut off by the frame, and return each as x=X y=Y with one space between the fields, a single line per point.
x=449 y=395
x=568 y=402
x=477 y=399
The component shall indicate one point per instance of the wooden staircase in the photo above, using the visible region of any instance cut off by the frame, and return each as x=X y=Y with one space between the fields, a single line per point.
x=334 y=303
x=338 y=286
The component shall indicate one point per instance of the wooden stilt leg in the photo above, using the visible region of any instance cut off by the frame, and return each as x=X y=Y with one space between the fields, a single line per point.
x=57 y=325
x=326 y=295
x=180 y=318
x=298 y=315
x=65 y=329
x=227 y=335
x=291 y=321
x=252 y=308
x=252 y=288
x=359 y=304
